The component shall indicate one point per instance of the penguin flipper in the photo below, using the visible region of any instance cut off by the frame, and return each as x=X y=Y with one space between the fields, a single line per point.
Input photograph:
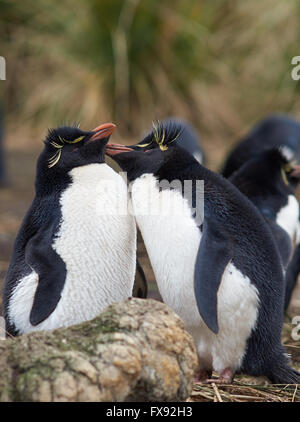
x=214 y=254
x=51 y=271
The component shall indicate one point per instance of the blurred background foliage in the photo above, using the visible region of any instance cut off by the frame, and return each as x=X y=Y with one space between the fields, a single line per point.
x=221 y=64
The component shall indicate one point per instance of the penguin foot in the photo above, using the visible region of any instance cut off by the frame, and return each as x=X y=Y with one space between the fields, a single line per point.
x=201 y=376
x=226 y=377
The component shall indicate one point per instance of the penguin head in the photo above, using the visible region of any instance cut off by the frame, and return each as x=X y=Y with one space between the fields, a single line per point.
x=67 y=147
x=148 y=155
x=280 y=161
x=274 y=167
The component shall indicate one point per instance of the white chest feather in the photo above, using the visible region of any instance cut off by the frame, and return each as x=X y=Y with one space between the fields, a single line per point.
x=288 y=217
x=172 y=240
x=97 y=242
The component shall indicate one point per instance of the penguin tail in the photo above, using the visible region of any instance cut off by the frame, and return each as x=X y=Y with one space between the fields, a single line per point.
x=282 y=373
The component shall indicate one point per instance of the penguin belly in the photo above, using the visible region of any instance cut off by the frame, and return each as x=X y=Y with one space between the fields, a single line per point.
x=97 y=242
x=172 y=239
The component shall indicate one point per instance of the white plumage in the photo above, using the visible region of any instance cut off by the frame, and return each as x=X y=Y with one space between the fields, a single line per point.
x=97 y=242
x=172 y=239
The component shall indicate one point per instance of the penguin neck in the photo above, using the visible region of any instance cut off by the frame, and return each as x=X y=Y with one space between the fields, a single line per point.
x=180 y=165
x=92 y=174
x=48 y=184
x=265 y=188
x=257 y=181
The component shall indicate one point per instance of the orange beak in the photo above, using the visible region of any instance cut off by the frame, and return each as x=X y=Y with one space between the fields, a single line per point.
x=114 y=149
x=102 y=131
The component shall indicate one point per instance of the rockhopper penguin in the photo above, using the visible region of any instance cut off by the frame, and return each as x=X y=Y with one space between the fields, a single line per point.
x=274 y=131
x=269 y=180
x=224 y=279
x=75 y=252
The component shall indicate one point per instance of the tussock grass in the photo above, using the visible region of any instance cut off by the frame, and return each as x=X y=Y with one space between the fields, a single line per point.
x=220 y=64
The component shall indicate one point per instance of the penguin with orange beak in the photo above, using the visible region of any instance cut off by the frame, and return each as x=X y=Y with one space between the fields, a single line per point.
x=221 y=274
x=75 y=252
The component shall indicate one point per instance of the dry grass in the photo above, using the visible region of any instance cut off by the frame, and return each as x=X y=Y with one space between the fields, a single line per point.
x=245 y=391
x=222 y=65
x=250 y=389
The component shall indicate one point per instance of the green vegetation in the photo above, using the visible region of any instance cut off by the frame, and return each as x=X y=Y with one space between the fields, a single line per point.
x=222 y=64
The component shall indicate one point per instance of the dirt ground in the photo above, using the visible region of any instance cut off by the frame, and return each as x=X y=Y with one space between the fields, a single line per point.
x=14 y=202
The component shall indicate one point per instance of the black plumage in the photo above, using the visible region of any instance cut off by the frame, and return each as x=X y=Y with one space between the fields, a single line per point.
x=233 y=231
x=264 y=179
x=273 y=131
x=33 y=245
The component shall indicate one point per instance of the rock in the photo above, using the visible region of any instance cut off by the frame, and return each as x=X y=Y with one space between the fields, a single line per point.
x=137 y=350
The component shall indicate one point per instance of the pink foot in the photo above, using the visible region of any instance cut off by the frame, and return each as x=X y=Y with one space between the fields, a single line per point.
x=226 y=377
x=201 y=375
